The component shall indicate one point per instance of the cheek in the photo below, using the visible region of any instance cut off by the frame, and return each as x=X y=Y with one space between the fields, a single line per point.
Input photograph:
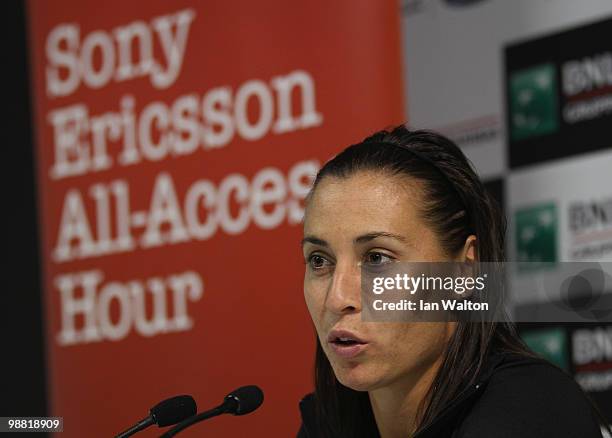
x=314 y=300
x=419 y=345
x=408 y=348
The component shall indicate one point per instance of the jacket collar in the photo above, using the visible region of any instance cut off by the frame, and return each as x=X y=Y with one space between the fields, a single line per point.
x=444 y=422
x=448 y=417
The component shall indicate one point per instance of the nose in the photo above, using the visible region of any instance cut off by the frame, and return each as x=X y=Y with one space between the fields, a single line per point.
x=344 y=294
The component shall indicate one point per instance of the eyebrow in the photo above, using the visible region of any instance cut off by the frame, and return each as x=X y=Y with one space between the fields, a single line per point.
x=358 y=240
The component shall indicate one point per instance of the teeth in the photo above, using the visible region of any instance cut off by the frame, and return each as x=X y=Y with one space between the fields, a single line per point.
x=345 y=339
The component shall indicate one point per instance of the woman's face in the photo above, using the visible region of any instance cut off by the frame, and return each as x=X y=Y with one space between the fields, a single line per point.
x=373 y=218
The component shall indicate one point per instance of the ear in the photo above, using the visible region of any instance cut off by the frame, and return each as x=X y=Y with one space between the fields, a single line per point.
x=468 y=254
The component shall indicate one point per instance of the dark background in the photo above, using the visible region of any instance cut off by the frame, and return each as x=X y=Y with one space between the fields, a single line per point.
x=22 y=386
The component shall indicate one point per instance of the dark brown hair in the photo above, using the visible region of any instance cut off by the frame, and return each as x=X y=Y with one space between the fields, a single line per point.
x=456 y=206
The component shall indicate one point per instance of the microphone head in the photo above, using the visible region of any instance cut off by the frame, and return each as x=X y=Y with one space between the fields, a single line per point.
x=244 y=400
x=173 y=410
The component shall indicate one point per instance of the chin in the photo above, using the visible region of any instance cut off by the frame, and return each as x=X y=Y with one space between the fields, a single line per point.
x=357 y=377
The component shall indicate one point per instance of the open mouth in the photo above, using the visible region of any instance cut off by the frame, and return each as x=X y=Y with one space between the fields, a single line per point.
x=344 y=338
x=345 y=344
x=345 y=341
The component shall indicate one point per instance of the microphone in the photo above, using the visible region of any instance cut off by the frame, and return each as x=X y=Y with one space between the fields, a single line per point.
x=241 y=401
x=165 y=413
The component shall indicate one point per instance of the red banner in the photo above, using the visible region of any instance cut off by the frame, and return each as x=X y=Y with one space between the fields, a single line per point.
x=176 y=142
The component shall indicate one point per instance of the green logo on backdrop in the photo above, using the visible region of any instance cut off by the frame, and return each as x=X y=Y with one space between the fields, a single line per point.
x=550 y=344
x=533 y=102
x=536 y=233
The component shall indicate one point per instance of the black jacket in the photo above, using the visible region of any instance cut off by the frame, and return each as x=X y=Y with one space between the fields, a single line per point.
x=514 y=397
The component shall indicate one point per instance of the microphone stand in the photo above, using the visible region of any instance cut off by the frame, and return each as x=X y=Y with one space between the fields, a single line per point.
x=221 y=409
x=142 y=424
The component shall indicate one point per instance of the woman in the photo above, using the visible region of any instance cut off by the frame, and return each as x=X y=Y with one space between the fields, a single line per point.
x=413 y=196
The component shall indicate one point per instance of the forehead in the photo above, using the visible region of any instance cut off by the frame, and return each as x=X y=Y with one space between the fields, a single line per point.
x=363 y=202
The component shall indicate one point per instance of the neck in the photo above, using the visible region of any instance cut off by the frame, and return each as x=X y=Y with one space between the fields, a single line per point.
x=395 y=406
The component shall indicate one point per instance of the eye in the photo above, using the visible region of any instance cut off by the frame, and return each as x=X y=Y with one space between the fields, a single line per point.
x=317 y=262
x=377 y=258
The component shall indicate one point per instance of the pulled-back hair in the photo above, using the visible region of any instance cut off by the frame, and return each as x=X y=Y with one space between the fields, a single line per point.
x=456 y=205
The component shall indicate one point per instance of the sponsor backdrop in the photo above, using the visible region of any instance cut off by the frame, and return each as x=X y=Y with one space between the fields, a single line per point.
x=525 y=88
x=175 y=145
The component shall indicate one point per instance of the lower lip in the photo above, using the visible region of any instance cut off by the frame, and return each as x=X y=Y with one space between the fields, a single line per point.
x=347 y=351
